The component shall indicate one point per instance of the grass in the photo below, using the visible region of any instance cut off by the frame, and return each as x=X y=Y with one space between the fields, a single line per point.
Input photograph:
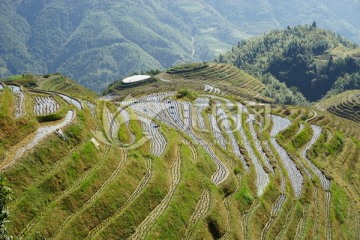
x=174 y=221
x=50 y=187
x=55 y=181
x=244 y=197
x=59 y=83
x=12 y=131
x=111 y=199
x=186 y=94
x=340 y=203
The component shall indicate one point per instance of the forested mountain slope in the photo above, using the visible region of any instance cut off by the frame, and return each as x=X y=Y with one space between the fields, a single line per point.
x=309 y=58
x=97 y=42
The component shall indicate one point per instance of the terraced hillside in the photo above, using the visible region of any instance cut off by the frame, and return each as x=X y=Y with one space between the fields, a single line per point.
x=175 y=164
x=346 y=105
x=212 y=78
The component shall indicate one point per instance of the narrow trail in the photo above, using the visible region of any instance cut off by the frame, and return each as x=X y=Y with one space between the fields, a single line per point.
x=247 y=217
x=275 y=209
x=300 y=129
x=327 y=213
x=33 y=140
x=300 y=230
x=193 y=46
x=98 y=193
x=201 y=209
x=317 y=214
x=313 y=117
x=165 y=80
x=325 y=183
x=227 y=203
x=143 y=183
x=193 y=150
x=63 y=194
x=144 y=228
x=287 y=222
x=92 y=107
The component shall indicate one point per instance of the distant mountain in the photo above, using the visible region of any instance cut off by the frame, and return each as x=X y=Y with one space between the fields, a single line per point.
x=259 y=16
x=97 y=42
x=307 y=58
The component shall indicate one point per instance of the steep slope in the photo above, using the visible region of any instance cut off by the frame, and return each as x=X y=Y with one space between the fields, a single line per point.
x=97 y=42
x=346 y=104
x=177 y=164
x=208 y=77
x=306 y=57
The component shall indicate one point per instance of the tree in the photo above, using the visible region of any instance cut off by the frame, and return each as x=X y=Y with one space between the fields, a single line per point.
x=313 y=24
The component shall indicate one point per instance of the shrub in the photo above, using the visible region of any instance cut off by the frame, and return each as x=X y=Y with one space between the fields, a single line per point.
x=186 y=94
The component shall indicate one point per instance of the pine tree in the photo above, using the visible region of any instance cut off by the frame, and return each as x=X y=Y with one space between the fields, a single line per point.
x=313 y=24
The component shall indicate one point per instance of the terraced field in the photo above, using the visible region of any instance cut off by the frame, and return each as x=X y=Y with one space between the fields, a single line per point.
x=19 y=102
x=214 y=78
x=164 y=166
x=346 y=105
x=45 y=105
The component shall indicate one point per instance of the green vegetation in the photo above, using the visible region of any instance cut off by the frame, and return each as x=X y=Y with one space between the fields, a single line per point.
x=346 y=105
x=281 y=93
x=340 y=203
x=12 y=131
x=59 y=83
x=186 y=94
x=305 y=57
x=125 y=37
x=228 y=79
x=184 y=68
x=97 y=42
x=344 y=83
x=73 y=184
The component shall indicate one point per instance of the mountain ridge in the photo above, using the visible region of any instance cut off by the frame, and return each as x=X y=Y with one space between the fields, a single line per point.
x=137 y=36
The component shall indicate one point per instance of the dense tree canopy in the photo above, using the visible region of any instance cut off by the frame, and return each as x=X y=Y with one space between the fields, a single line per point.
x=306 y=57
